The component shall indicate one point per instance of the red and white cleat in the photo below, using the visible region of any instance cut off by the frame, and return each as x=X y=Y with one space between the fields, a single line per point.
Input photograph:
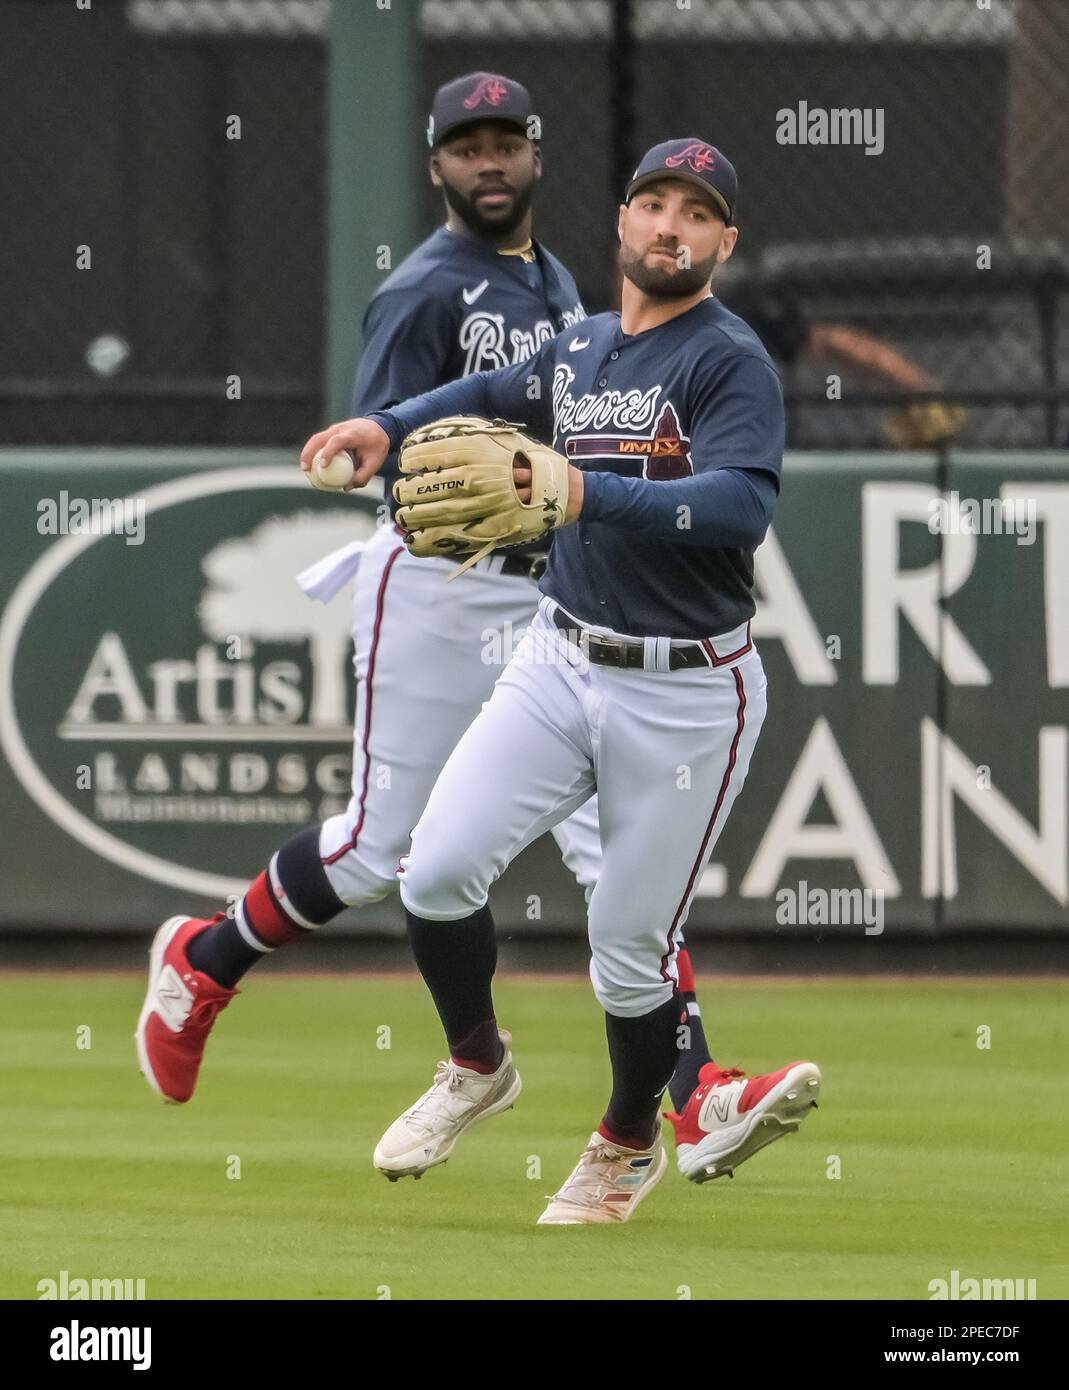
x=179 y=1011
x=730 y=1116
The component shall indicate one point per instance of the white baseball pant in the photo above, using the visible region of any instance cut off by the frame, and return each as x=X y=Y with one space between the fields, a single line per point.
x=667 y=752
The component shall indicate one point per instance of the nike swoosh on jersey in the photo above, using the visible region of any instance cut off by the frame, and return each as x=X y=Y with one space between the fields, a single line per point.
x=578 y=344
x=470 y=296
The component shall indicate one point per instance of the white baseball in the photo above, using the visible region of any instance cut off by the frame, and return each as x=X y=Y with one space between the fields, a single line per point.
x=337 y=472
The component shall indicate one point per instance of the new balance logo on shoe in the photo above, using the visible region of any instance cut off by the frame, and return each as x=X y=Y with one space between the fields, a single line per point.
x=720 y=1105
x=173 y=1000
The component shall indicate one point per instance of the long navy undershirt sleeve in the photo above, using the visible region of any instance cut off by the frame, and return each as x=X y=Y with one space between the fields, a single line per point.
x=468 y=396
x=736 y=451
x=724 y=508
x=507 y=393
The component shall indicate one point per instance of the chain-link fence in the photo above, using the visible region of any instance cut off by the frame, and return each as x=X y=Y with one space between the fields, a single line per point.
x=206 y=252
x=904 y=174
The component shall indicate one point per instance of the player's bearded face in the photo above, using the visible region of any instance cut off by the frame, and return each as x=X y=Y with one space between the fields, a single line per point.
x=670 y=241
x=485 y=215
x=665 y=268
x=488 y=175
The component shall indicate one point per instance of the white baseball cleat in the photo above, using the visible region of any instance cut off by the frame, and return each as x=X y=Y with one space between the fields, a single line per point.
x=606 y=1184
x=730 y=1116
x=459 y=1099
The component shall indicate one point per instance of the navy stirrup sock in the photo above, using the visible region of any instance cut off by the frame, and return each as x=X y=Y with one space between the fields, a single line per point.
x=457 y=961
x=643 y=1055
x=287 y=901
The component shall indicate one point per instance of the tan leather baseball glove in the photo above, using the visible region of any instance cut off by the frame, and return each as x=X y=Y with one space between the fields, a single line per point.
x=458 y=494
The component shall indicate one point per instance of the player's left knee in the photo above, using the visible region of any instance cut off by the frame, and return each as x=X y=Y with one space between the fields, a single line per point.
x=434 y=886
x=628 y=996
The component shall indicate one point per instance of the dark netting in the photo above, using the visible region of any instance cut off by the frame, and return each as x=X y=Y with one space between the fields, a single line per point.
x=207 y=253
x=207 y=266
x=975 y=153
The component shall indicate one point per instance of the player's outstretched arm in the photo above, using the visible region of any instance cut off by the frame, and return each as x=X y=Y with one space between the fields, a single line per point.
x=504 y=393
x=369 y=440
x=509 y=393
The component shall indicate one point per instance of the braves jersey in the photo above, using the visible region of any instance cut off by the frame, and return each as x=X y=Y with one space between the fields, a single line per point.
x=454 y=307
x=679 y=431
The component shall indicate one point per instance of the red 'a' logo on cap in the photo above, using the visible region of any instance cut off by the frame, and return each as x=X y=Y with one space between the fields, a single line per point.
x=490 y=90
x=699 y=157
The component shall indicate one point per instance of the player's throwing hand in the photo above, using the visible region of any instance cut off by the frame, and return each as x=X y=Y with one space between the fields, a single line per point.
x=367 y=444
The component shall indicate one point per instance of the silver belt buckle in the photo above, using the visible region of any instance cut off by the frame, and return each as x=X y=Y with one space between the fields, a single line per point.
x=613 y=644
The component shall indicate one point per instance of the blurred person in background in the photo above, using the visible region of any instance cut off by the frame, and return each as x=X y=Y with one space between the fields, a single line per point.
x=789 y=335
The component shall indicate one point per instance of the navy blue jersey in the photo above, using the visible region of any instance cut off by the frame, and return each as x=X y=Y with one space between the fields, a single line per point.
x=679 y=431
x=453 y=307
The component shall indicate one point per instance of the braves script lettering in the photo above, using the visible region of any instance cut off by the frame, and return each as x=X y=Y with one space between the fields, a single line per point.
x=622 y=410
x=482 y=339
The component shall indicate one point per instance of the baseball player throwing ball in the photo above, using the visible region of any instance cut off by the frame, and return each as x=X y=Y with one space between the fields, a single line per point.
x=477 y=294
x=638 y=677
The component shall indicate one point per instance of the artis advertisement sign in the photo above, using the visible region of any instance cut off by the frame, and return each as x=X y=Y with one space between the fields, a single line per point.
x=172 y=706
x=171 y=700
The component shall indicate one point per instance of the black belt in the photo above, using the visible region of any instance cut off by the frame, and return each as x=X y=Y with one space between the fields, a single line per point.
x=621 y=651
x=532 y=567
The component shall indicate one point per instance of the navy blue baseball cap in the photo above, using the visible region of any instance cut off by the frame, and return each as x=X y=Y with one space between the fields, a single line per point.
x=695 y=161
x=478 y=96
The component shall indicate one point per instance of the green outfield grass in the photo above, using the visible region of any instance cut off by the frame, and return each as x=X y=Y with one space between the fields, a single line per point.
x=952 y=1157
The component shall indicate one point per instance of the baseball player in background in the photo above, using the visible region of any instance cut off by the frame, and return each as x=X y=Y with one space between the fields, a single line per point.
x=478 y=294
x=638 y=677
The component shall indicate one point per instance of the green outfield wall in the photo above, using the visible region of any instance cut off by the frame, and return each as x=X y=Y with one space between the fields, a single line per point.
x=172 y=707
